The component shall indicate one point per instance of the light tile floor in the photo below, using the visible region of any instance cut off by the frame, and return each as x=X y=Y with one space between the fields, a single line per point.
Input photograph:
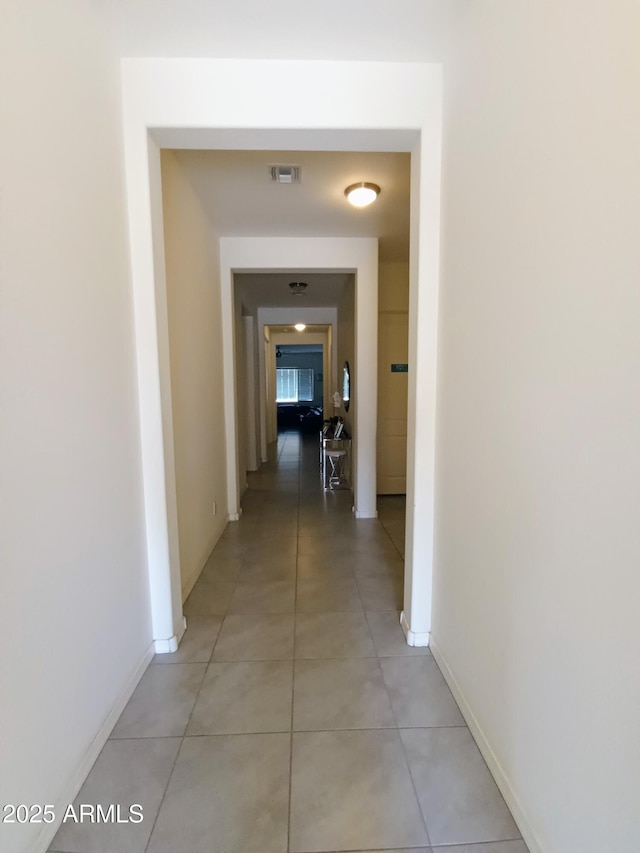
x=294 y=717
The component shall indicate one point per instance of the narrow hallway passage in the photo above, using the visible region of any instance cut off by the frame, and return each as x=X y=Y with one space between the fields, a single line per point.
x=294 y=717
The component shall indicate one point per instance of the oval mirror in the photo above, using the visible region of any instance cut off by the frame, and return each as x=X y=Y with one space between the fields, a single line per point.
x=346 y=386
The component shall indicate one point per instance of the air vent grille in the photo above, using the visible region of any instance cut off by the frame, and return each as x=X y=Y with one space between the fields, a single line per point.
x=285 y=174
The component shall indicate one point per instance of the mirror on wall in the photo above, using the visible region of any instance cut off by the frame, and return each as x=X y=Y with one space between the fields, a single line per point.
x=346 y=386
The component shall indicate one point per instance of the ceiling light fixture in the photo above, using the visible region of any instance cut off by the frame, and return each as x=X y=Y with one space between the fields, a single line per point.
x=297 y=288
x=362 y=193
x=300 y=327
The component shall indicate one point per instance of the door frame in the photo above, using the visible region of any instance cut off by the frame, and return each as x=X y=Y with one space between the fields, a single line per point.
x=300 y=255
x=336 y=105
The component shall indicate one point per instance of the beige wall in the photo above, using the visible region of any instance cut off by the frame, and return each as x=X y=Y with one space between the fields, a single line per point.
x=537 y=595
x=393 y=343
x=74 y=597
x=195 y=335
x=393 y=287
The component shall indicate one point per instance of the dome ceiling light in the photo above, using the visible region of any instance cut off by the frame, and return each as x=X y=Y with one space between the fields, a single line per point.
x=362 y=193
x=300 y=327
x=297 y=288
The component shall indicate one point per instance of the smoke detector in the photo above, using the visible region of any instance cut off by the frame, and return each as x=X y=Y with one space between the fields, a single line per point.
x=285 y=174
x=297 y=288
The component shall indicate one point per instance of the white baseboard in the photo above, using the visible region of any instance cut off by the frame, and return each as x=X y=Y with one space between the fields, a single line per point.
x=166 y=647
x=191 y=582
x=488 y=754
x=70 y=790
x=193 y=577
x=235 y=516
x=414 y=638
x=362 y=514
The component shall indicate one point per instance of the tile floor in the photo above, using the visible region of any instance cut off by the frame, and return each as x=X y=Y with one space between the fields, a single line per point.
x=294 y=717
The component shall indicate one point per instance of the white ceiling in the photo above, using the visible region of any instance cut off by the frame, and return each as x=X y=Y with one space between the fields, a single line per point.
x=377 y=30
x=237 y=193
x=271 y=290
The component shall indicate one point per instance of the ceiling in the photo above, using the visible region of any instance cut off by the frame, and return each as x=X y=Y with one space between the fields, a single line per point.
x=373 y=30
x=271 y=290
x=239 y=197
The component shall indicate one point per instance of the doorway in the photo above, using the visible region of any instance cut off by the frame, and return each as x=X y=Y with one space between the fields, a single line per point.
x=203 y=103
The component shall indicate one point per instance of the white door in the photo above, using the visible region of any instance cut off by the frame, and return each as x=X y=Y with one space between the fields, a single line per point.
x=393 y=334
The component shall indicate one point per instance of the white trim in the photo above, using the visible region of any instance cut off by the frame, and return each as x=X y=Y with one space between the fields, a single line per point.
x=359 y=514
x=228 y=103
x=235 y=516
x=170 y=645
x=345 y=254
x=495 y=768
x=414 y=638
x=70 y=791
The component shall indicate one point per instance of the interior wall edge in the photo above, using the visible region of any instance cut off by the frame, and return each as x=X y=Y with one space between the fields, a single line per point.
x=70 y=790
x=497 y=771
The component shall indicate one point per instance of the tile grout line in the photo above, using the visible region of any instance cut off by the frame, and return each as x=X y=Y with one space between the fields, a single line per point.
x=404 y=753
x=293 y=661
x=285 y=731
x=164 y=793
x=415 y=788
x=184 y=734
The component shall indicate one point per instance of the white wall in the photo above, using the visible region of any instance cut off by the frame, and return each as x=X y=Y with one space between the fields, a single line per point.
x=228 y=104
x=346 y=351
x=537 y=581
x=74 y=598
x=252 y=387
x=195 y=332
x=240 y=390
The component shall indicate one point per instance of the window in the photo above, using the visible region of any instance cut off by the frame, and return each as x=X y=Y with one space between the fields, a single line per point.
x=294 y=384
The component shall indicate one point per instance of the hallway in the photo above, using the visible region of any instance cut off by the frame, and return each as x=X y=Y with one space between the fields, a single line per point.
x=294 y=717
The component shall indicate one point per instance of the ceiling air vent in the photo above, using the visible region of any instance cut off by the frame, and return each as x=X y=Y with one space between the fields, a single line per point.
x=285 y=174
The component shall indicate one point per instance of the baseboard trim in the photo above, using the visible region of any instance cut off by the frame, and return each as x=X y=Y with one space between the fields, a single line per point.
x=193 y=577
x=70 y=791
x=414 y=638
x=488 y=754
x=235 y=516
x=166 y=647
x=361 y=514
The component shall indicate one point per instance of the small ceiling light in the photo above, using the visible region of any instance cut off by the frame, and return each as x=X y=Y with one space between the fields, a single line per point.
x=300 y=327
x=297 y=288
x=362 y=194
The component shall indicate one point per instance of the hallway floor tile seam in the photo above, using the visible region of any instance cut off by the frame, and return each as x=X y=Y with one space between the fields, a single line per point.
x=164 y=793
x=186 y=728
x=295 y=611
x=182 y=740
x=386 y=690
x=367 y=728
